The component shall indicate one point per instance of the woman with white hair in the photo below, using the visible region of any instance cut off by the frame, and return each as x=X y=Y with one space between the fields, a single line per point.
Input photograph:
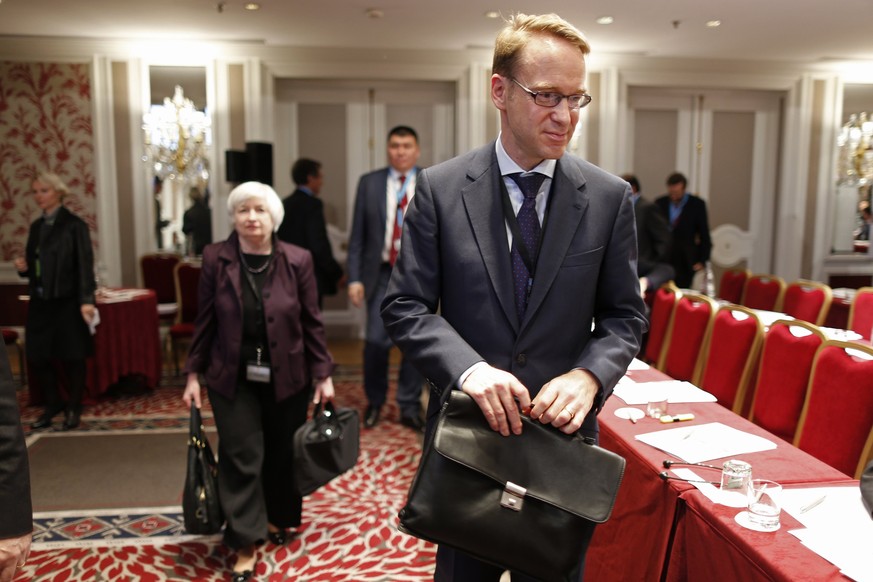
x=59 y=262
x=260 y=344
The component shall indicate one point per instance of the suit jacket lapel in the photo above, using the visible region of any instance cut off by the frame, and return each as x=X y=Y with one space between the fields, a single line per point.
x=482 y=202
x=228 y=254
x=381 y=197
x=568 y=201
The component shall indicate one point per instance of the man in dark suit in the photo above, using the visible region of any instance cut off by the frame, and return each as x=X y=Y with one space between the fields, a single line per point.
x=16 y=524
x=559 y=341
x=380 y=204
x=653 y=240
x=689 y=225
x=305 y=227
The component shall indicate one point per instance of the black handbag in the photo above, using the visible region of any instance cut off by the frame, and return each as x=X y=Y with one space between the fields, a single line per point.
x=524 y=502
x=325 y=447
x=201 y=508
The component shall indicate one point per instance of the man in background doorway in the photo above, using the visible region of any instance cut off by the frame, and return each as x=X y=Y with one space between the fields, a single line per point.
x=689 y=225
x=653 y=240
x=304 y=225
x=380 y=205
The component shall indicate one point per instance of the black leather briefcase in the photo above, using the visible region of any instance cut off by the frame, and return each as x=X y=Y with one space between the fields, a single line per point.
x=521 y=502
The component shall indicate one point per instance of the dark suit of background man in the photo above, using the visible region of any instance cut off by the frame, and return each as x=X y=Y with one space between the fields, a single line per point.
x=377 y=222
x=653 y=240
x=686 y=216
x=16 y=523
x=452 y=306
x=305 y=227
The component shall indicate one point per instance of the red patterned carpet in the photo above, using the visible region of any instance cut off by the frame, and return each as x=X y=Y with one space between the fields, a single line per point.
x=349 y=526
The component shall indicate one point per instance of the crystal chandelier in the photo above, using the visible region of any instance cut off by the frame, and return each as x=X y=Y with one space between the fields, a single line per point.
x=176 y=138
x=855 y=151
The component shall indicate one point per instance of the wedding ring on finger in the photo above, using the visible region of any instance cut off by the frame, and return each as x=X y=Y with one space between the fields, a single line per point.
x=572 y=414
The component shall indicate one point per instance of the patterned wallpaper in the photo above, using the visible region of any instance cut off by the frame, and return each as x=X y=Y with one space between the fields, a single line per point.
x=45 y=124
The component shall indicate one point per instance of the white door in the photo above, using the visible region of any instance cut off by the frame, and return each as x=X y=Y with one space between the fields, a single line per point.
x=727 y=144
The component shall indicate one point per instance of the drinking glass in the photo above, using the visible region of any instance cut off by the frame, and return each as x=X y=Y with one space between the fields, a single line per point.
x=763 y=507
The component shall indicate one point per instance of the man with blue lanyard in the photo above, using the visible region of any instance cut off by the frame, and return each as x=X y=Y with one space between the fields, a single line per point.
x=689 y=225
x=380 y=205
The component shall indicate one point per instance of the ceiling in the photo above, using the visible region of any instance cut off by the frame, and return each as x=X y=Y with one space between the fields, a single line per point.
x=780 y=30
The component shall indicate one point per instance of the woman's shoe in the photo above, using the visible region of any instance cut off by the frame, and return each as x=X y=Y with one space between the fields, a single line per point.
x=243 y=576
x=278 y=537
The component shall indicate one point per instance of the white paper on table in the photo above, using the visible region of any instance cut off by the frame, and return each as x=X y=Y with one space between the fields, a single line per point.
x=705 y=442
x=840 y=507
x=838 y=527
x=637 y=364
x=768 y=317
x=842 y=335
x=713 y=493
x=635 y=393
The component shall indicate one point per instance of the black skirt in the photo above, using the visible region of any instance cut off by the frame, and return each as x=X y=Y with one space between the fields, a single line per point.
x=55 y=329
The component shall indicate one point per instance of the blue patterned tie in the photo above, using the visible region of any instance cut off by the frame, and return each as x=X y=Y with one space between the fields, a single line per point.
x=529 y=229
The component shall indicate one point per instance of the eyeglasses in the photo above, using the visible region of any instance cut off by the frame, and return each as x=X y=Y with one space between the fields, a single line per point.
x=550 y=99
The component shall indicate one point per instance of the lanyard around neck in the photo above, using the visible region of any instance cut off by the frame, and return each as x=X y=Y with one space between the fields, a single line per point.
x=530 y=259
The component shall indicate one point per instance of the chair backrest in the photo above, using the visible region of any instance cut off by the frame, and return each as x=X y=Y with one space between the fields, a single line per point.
x=837 y=418
x=731 y=284
x=807 y=300
x=663 y=304
x=763 y=292
x=861 y=312
x=157 y=274
x=783 y=375
x=686 y=335
x=187 y=278
x=730 y=354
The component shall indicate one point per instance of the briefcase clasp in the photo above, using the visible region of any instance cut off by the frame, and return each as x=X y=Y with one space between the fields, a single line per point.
x=513 y=496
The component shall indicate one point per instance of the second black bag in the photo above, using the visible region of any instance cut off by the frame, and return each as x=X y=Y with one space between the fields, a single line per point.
x=525 y=503
x=325 y=446
x=201 y=508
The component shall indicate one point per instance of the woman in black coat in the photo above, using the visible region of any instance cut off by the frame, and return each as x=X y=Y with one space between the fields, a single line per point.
x=59 y=262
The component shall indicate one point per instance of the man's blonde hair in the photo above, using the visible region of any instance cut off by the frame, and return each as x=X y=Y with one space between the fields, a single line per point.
x=518 y=31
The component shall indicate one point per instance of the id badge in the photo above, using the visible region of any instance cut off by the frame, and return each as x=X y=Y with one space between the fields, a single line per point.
x=257 y=372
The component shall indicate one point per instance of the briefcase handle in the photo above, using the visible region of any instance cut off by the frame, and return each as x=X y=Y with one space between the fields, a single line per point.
x=327 y=425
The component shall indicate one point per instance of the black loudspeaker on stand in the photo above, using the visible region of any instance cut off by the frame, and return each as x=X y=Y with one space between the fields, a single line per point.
x=253 y=164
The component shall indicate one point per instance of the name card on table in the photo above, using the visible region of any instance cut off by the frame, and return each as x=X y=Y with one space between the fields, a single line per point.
x=705 y=442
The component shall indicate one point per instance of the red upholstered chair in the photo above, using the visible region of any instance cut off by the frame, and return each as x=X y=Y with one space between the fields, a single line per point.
x=730 y=287
x=12 y=338
x=663 y=303
x=157 y=274
x=763 y=292
x=187 y=278
x=686 y=335
x=730 y=355
x=807 y=300
x=861 y=312
x=836 y=424
x=783 y=375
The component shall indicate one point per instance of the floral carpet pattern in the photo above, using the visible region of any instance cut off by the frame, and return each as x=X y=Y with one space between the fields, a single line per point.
x=349 y=530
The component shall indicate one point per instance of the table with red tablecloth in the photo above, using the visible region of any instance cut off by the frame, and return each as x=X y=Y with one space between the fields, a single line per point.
x=709 y=544
x=639 y=540
x=126 y=343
